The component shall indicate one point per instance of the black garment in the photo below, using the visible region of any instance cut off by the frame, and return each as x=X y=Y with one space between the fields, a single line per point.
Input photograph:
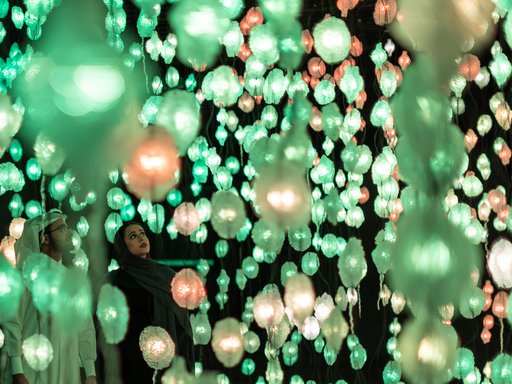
x=133 y=368
x=147 y=286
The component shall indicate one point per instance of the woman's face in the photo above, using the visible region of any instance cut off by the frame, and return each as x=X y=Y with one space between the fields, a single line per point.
x=136 y=241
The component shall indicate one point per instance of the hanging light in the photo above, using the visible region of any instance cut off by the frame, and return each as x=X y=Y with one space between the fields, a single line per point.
x=227 y=342
x=299 y=297
x=188 y=289
x=38 y=352
x=186 y=218
x=268 y=308
x=153 y=170
x=157 y=347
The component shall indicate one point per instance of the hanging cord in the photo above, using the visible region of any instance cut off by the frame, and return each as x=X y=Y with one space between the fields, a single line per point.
x=146 y=78
x=501 y=334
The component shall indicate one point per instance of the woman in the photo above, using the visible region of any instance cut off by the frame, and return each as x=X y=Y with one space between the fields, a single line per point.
x=146 y=285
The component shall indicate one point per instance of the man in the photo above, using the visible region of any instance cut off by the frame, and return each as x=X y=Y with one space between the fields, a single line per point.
x=48 y=234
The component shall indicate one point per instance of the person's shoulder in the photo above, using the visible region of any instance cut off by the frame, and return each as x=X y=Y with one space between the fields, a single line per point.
x=114 y=275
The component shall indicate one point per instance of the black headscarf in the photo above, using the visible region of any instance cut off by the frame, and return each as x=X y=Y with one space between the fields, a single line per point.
x=156 y=279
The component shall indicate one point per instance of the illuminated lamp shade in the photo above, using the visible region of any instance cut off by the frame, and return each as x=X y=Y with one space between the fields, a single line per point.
x=455 y=23
x=334 y=329
x=10 y=121
x=267 y=235
x=384 y=12
x=11 y=178
x=300 y=238
x=324 y=305
x=251 y=342
x=154 y=167
x=275 y=86
x=233 y=39
x=112 y=313
x=472 y=302
x=324 y=92
x=186 y=218
x=7 y=249
x=311 y=328
x=332 y=121
x=388 y=83
x=33 y=169
x=12 y=289
x=469 y=67
x=500 y=68
x=281 y=11
x=299 y=297
x=332 y=40
x=222 y=86
x=499 y=263
x=48 y=154
x=188 y=289
x=378 y=56
x=179 y=115
x=352 y=266
x=280 y=333
x=227 y=342
x=428 y=351
x=501 y=369
x=116 y=198
x=157 y=347
x=38 y=352
x=264 y=44
x=465 y=362
x=228 y=214
x=268 y=308
x=201 y=328
x=199 y=26
x=442 y=162
x=316 y=67
x=499 y=305
x=430 y=252
x=352 y=83
x=283 y=195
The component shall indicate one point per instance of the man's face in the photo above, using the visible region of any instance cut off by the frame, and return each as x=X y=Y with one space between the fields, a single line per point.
x=59 y=236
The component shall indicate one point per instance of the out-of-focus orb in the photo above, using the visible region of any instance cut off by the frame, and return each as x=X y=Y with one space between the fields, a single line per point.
x=38 y=352
x=227 y=342
x=188 y=289
x=499 y=263
x=157 y=347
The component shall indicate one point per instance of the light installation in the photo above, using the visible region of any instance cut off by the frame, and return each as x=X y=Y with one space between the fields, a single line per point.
x=332 y=186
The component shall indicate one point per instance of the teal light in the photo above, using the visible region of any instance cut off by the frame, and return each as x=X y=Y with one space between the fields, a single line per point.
x=233 y=39
x=388 y=83
x=378 y=56
x=221 y=135
x=351 y=83
x=324 y=92
x=275 y=86
x=221 y=85
x=33 y=209
x=332 y=40
x=199 y=171
x=16 y=205
x=127 y=212
x=263 y=44
x=15 y=150
x=380 y=113
x=172 y=77
x=500 y=68
x=150 y=110
x=199 y=26
x=58 y=188
x=332 y=121
x=233 y=165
